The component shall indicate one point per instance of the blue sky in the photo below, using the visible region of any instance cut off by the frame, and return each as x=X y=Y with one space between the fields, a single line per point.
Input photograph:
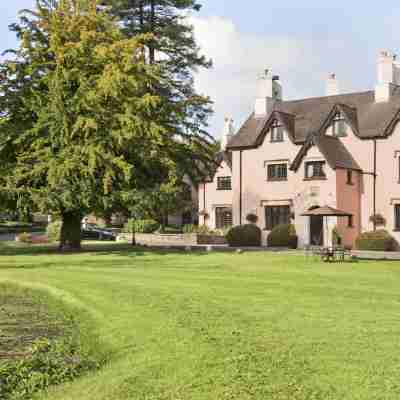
x=301 y=41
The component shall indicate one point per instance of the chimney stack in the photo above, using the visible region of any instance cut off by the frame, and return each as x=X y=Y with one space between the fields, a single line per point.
x=227 y=133
x=269 y=91
x=332 y=86
x=388 y=76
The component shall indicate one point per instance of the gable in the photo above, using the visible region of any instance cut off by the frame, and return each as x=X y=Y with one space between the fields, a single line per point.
x=332 y=149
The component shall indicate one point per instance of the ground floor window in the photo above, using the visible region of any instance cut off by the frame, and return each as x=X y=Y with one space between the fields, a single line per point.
x=223 y=217
x=397 y=217
x=276 y=215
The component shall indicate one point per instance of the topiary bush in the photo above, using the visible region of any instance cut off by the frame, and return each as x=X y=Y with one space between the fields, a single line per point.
x=283 y=235
x=379 y=240
x=53 y=231
x=141 y=226
x=252 y=218
x=244 y=235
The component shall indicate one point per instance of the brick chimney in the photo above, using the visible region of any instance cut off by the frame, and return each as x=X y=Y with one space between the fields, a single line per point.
x=388 y=76
x=269 y=91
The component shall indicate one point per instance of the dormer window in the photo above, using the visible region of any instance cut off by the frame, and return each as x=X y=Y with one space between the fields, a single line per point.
x=339 y=125
x=276 y=132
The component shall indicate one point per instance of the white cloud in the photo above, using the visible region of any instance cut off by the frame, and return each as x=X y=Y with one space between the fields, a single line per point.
x=239 y=57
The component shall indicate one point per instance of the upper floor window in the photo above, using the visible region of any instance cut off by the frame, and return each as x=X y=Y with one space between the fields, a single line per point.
x=276 y=132
x=277 y=172
x=315 y=170
x=349 y=177
x=224 y=183
x=339 y=125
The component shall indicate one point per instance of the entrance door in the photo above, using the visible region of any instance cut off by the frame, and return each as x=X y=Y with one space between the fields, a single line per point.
x=317 y=230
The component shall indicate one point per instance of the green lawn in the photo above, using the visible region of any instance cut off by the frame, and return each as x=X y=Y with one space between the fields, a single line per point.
x=226 y=326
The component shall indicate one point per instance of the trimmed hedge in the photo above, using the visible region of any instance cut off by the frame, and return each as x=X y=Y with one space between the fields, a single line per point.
x=283 y=236
x=141 y=226
x=244 y=235
x=379 y=240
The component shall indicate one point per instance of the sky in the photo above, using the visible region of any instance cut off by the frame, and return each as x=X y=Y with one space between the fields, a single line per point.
x=302 y=41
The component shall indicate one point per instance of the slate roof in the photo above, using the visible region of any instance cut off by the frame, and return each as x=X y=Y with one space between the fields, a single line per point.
x=307 y=116
x=334 y=151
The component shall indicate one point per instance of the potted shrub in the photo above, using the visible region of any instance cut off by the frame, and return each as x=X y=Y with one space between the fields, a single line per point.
x=252 y=218
x=379 y=240
x=378 y=220
x=245 y=235
x=283 y=235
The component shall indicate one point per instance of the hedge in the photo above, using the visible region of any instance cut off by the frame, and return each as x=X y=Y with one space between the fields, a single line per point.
x=141 y=226
x=54 y=231
x=283 y=236
x=244 y=235
x=379 y=240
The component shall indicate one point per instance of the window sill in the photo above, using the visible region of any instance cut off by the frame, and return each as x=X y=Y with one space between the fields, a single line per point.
x=277 y=180
x=276 y=141
x=224 y=190
x=317 y=178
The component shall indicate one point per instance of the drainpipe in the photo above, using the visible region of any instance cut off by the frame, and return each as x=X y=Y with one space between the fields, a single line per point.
x=374 y=200
x=204 y=202
x=240 y=187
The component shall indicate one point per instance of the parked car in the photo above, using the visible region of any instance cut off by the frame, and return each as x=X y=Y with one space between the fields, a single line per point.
x=94 y=232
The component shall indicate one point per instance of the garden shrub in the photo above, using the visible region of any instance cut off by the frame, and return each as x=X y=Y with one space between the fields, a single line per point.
x=54 y=231
x=283 y=235
x=252 y=218
x=190 y=228
x=141 y=226
x=24 y=237
x=379 y=240
x=244 y=235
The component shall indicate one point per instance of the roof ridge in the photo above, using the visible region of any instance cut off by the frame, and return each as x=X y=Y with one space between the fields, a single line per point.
x=312 y=98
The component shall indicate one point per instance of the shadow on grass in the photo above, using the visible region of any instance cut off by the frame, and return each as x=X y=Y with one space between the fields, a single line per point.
x=100 y=249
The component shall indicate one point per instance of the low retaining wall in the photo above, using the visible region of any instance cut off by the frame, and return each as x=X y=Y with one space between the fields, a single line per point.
x=376 y=255
x=190 y=239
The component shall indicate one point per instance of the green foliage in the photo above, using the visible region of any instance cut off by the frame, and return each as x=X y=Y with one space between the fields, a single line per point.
x=53 y=231
x=283 y=235
x=190 y=228
x=48 y=363
x=379 y=240
x=24 y=237
x=244 y=235
x=141 y=226
x=336 y=236
x=87 y=119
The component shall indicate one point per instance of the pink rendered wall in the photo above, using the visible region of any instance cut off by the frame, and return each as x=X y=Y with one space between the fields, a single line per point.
x=388 y=186
x=258 y=192
x=214 y=197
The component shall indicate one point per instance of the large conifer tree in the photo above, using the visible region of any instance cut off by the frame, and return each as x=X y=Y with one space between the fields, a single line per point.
x=82 y=119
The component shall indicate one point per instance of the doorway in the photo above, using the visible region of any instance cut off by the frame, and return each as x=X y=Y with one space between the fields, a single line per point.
x=316 y=229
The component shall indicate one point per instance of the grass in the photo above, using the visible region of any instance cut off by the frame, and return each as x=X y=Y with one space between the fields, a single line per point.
x=195 y=326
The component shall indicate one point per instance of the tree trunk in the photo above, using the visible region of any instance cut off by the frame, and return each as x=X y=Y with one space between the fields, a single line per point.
x=70 y=231
x=152 y=50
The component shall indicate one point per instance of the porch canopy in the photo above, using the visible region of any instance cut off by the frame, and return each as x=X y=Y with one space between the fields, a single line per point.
x=326 y=211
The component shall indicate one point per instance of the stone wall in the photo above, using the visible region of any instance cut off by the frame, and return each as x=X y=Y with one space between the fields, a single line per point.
x=191 y=239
